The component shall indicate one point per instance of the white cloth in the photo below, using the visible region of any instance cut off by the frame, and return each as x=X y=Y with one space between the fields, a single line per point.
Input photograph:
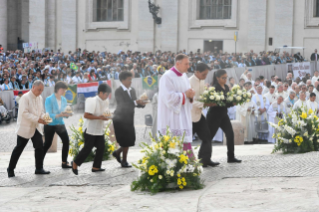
x=59 y=103
x=271 y=97
x=288 y=105
x=171 y=112
x=95 y=106
x=248 y=119
x=265 y=89
x=314 y=79
x=299 y=104
x=313 y=105
x=261 y=102
x=30 y=111
x=272 y=117
x=231 y=111
x=199 y=87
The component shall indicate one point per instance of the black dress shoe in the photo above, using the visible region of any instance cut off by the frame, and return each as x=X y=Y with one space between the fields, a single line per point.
x=118 y=158
x=75 y=171
x=210 y=163
x=10 y=173
x=98 y=170
x=233 y=160
x=41 y=171
x=125 y=165
x=66 y=165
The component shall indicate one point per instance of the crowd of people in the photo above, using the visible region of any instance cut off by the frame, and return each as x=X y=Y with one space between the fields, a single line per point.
x=19 y=70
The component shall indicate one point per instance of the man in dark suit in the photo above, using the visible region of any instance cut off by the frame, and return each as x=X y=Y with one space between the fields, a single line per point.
x=314 y=56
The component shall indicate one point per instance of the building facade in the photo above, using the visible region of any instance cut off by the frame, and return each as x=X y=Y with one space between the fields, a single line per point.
x=115 y=25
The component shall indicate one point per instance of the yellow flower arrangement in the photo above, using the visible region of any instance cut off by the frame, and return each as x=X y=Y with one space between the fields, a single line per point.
x=281 y=122
x=172 y=145
x=310 y=111
x=183 y=159
x=166 y=138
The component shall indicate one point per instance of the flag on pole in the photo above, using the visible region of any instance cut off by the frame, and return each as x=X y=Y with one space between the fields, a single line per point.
x=73 y=66
x=150 y=82
x=71 y=94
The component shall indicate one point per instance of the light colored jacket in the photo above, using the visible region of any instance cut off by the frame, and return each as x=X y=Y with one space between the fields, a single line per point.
x=199 y=87
x=30 y=111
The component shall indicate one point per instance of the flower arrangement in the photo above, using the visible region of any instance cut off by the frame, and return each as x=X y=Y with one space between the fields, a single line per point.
x=77 y=143
x=298 y=132
x=166 y=166
x=210 y=96
x=238 y=96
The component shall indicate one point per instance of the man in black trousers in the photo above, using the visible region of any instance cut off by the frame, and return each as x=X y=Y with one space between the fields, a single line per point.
x=200 y=126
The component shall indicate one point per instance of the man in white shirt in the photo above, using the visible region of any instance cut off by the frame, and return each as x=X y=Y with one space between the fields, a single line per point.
x=315 y=77
x=93 y=128
x=200 y=127
x=311 y=103
x=301 y=102
x=280 y=91
x=77 y=79
x=271 y=95
x=29 y=126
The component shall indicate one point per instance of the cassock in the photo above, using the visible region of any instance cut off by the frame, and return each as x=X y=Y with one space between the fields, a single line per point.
x=248 y=119
x=272 y=117
x=271 y=97
x=174 y=109
x=299 y=104
x=313 y=105
x=261 y=102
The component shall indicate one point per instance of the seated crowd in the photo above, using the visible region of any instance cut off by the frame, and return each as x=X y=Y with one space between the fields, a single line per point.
x=19 y=70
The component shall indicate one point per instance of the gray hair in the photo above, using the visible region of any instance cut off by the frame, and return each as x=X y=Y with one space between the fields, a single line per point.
x=280 y=96
x=37 y=83
x=259 y=86
x=292 y=92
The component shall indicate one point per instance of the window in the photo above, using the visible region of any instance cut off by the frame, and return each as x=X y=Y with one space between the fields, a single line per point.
x=108 y=10
x=316 y=13
x=215 y=9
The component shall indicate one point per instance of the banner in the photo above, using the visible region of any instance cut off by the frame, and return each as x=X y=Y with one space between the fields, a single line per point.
x=71 y=94
x=299 y=69
x=150 y=82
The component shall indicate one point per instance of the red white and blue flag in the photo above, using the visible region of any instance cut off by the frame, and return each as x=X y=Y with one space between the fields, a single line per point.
x=88 y=89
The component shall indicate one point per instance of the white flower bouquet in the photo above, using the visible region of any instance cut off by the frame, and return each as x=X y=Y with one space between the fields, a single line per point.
x=238 y=96
x=298 y=132
x=211 y=96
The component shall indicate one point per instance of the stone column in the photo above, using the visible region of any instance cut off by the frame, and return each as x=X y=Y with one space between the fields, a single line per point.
x=3 y=23
x=51 y=24
x=37 y=18
x=69 y=23
x=169 y=27
x=146 y=27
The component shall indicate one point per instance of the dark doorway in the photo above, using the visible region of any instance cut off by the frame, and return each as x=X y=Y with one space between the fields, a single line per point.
x=213 y=45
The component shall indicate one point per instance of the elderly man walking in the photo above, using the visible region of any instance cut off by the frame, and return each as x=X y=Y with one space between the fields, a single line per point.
x=30 y=126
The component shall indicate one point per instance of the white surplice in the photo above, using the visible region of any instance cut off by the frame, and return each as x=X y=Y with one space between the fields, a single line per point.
x=271 y=97
x=272 y=113
x=261 y=102
x=299 y=104
x=171 y=111
x=248 y=119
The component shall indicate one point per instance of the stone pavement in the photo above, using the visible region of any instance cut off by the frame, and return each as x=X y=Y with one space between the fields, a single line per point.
x=263 y=182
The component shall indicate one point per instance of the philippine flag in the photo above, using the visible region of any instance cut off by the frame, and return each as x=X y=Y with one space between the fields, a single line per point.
x=88 y=89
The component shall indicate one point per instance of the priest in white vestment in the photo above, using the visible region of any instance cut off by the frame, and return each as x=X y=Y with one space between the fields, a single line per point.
x=275 y=112
x=262 y=104
x=315 y=77
x=247 y=111
x=311 y=103
x=175 y=102
x=290 y=101
x=271 y=95
x=301 y=102
x=280 y=92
